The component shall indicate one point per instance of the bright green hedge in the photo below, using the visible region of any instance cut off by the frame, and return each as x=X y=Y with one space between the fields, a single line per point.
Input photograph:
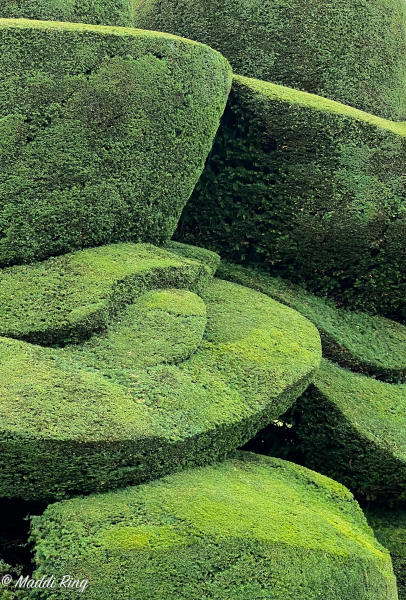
x=367 y=344
x=99 y=12
x=157 y=391
x=103 y=134
x=390 y=529
x=352 y=428
x=249 y=528
x=311 y=189
x=353 y=51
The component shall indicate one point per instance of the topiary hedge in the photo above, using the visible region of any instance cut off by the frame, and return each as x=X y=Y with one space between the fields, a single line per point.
x=251 y=527
x=390 y=529
x=99 y=12
x=311 y=189
x=351 y=428
x=156 y=388
x=367 y=344
x=103 y=131
x=351 y=51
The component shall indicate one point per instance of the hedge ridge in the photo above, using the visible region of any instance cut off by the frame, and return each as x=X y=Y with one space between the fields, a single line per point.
x=250 y=527
x=104 y=133
x=310 y=189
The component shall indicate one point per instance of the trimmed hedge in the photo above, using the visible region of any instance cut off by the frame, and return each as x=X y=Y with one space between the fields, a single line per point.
x=390 y=529
x=351 y=51
x=98 y=12
x=121 y=408
x=67 y=298
x=104 y=133
x=352 y=428
x=311 y=189
x=368 y=344
x=251 y=527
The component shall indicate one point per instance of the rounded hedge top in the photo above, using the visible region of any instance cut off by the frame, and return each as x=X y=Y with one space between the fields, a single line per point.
x=251 y=527
x=103 y=134
x=351 y=51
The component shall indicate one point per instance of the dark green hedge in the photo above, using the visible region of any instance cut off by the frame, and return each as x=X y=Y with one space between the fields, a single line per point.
x=390 y=529
x=103 y=134
x=249 y=528
x=353 y=51
x=98 y=12
x=367 y=344
x=352 y=428
x=157 y=391
x=309 y=189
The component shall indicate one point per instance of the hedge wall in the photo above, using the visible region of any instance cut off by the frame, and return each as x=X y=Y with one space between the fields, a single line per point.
x=367 y=344
x=158 y=389
x=251 y=527
x=351 y=428
x=312 y=190
x=103 y=134
x=350 y=51
x=98 y=12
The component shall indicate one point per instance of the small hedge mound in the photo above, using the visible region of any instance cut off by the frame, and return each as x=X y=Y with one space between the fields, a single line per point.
x=390 y=529
x=99 y=12
x=66 y=299
x=251 y=527
x=368 y=344
x=122 y=407
x=352 y=428
x=351 y=51
x=311 y=188
x=103 y=134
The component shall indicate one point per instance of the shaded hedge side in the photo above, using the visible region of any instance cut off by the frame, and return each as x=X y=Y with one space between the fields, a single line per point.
x=353 y=51
x=103 y=134
x=312 y=190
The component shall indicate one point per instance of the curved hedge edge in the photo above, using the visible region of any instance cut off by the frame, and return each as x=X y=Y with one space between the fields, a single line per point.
x=347 y=337
x=68 y=298
x=78 y=429
x=207 y=257
x=390 y=530
x=351 y=428
x=249 y=527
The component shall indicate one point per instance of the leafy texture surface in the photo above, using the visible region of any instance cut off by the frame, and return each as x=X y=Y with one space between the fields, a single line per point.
x=104 y=132
x=311 y=189
x=251 y=527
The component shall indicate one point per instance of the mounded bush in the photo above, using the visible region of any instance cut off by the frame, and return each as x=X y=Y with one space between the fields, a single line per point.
x=156 y=391
x=390 y=529
x=367 y=344
x=350 y=51
x=104 y=133
x=311 y=189
x=352 y=428
x=251 y=527
x=99 y=12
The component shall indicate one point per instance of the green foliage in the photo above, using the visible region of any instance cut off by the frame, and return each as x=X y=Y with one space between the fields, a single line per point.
x=67 y=298
x=390 y=529
x=368 y=344
x=351 y=51
x=251 y=527
x=157 y=390
x=104 y=133
x=351 y=427
x=99 y=12
x=312 y=190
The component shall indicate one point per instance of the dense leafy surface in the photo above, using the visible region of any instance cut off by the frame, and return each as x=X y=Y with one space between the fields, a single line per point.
x=156 y=390
x=352 y=428
x=352 y=51
x=311 y=189
x=103 y=134
x=390 y=528
x=369 y=344
x=251 y=527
